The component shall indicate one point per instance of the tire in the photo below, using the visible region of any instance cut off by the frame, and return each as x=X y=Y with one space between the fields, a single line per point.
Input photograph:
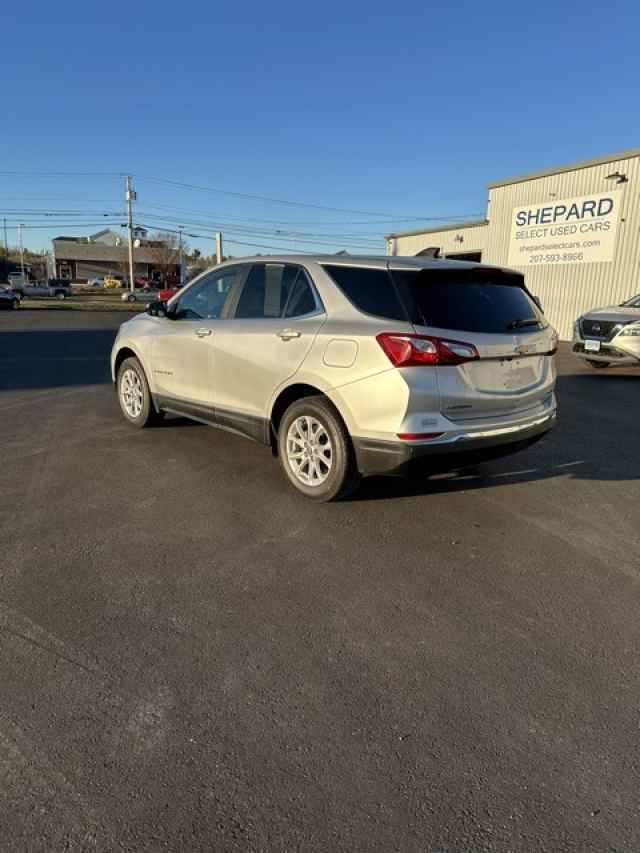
x=138 y=410
x=335 y=480
x=598 y=364
x=60 y=295
x=131 y=298
x=15 y=304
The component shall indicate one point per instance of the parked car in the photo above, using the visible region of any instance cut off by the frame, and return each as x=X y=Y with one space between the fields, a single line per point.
x=7 y=288
x=112 y=282
x=347 y=366
x=53 y=287
x=9 y=298
x=169 y=292
x=96 y=282
x=17 y=279
x=140 y=296
x=609 y=336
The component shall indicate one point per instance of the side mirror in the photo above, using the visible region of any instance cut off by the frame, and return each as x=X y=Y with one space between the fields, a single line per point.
x=158 y=308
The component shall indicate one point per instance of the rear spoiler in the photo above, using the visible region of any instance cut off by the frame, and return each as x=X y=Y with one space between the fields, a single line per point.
x=506 y=276
x=514 y=278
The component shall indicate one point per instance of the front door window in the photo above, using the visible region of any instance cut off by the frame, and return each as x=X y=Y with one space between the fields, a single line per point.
x=206 y=297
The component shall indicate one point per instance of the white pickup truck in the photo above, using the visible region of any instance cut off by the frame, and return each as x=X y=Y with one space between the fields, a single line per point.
x=53 y=287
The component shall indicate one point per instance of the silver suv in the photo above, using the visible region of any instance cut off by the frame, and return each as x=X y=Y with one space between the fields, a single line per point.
x=609 y=336
x=347 y=366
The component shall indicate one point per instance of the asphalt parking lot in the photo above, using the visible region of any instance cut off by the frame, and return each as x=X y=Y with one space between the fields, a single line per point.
x=193 y=658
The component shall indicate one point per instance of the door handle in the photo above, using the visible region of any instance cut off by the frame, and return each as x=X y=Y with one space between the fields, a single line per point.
x=288 y=334
x=202 y=333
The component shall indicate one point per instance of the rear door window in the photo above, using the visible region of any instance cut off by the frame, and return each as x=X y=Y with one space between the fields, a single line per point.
x=484 y=301
x=301 y=299
x=370 y=290
x=269 y=289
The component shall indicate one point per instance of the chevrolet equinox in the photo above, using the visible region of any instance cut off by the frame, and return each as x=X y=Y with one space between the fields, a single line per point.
x=347 y=367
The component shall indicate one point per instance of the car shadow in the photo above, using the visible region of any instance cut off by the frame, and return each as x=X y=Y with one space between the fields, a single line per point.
x=457 y=480
x=484 y=476
x=171 y=421
x=54 y=358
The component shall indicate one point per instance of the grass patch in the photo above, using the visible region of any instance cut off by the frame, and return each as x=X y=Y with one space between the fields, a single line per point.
x=91 y=299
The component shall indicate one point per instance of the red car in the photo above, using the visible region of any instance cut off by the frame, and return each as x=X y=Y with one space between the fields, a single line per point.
x=167 y=293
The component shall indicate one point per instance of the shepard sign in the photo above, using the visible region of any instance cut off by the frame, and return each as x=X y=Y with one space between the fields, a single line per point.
x=565 y=231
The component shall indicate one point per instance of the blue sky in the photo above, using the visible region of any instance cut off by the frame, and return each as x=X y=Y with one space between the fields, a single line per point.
x=405 y=109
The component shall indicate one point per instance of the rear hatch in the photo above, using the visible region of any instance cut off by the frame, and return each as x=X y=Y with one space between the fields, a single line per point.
x=491 y=310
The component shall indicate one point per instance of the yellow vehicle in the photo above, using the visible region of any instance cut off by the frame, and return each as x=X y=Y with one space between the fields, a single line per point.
x=111 y=282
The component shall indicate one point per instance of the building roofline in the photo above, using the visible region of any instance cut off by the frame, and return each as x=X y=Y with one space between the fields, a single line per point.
x=570 y=167
x=470 y=223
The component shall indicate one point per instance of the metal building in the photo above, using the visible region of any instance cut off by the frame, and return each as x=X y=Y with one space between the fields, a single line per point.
x=574 y=231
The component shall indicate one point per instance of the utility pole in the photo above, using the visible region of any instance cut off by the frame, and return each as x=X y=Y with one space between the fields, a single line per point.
x=218 y=247
x=180 y=227
x=6 y=244
x=21 y=253
x=131 y=197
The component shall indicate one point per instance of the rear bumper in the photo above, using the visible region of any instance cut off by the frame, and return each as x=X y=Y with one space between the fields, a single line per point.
x=394 y=457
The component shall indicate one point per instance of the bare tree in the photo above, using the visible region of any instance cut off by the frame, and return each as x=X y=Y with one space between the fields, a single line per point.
x=35 y=262
x=165 y=251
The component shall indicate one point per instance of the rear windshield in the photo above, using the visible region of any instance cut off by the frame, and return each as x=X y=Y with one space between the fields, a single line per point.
x=465 y=300
x=468 y=300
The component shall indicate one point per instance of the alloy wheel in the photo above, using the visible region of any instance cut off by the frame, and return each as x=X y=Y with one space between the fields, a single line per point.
x=309 y=450
x=131 y=393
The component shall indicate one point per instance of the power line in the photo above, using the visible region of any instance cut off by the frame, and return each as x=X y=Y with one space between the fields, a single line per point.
x=233 y=193
x=75 y=225
x=64 y=196
x=157 y=206
x=452 y=218
x=160 y=224
x=283 y=249
x=217 y=223
x=255 y=197
x=65 y=213
x=235 y=220
x=35 y=214
x=63 y=174
x=319 y=239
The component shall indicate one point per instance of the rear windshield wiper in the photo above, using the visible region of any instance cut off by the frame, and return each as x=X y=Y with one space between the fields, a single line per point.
x=521 y=324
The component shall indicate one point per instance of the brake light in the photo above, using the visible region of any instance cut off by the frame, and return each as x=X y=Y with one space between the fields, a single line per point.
x=406 y=350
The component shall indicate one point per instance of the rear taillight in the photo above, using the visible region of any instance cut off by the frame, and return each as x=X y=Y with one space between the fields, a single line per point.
x=405 y=350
